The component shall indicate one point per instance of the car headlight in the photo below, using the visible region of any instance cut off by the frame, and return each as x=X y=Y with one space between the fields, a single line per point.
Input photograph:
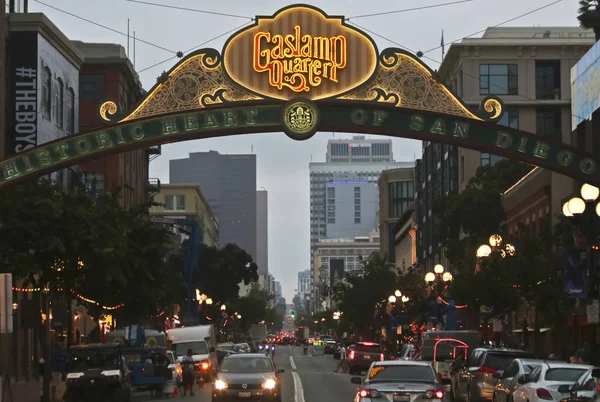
x=220 y=384
x=269 y=384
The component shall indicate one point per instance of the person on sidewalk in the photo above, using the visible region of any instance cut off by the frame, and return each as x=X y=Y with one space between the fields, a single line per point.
x=58 y=364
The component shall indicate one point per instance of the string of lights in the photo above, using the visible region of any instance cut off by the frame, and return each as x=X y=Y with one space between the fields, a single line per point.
x=405 y=10
x=79 y=296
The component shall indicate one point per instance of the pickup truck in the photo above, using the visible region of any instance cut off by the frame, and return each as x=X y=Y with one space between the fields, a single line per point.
x=361 y=355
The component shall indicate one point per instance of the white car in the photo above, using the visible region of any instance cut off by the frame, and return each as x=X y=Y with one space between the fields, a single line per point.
x=175 y=368
x=543 y=383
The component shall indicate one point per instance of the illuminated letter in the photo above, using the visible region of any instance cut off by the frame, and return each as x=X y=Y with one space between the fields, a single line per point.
x=522 y=144
x=10 y=170
x=258 y=53
x=138 y=132
x=461 y=129
x=321 y=48
x=417 y=122
x=169 y=126
x=587 y=166
x=103 y=140
x=503 y=139
x=230 y=119
x=120 y=138
x=439 y=127
x=541 y=150
x=83 y=145
x=564 y=158
x=43 y=157
x=210 y=121
x=190 y=123
x=61 y=149
x=378 y=117
x=358 y=116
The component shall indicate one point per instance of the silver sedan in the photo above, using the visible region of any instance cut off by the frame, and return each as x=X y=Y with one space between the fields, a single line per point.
x=400 y=381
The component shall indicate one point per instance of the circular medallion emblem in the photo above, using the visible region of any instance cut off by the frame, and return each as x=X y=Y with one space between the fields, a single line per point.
x=244 y=386
x=300 y=119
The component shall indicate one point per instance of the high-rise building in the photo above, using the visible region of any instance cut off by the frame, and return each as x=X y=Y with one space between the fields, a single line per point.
x=304 y=282
x=529 y=68
x=322 y=173
x=107 y=73
x=359 y=150
x=262 y=233
x=278 y=293
x=229 y=184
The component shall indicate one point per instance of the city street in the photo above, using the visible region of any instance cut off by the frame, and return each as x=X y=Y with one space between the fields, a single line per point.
x=306 y=379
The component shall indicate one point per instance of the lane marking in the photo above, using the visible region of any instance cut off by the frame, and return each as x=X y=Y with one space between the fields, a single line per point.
x=292 y=363
x=298 y=390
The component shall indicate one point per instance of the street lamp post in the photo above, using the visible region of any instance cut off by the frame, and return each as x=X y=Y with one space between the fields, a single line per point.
x=444 y=278
x=576 y=209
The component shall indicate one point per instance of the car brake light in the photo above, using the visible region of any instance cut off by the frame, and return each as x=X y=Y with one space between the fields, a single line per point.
x=543 y=393
x=486 y=370
x=351 y=354
x=381 y=358
x=434 y=394
x=369 y=393
x=368 y=343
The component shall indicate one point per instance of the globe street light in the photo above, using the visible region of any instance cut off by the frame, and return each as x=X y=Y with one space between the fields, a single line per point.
x=495 y=240
x=397 y=293
x=484 y=251
x=438 y=269
x=576 y=206
x=447 y=277
x=405 y=299
x=392 y=299
x=589 y=193
x=209 y=301
x=223 y=307
x=429 y=277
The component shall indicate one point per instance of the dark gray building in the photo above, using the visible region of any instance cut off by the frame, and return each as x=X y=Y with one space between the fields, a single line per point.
x=228 y=182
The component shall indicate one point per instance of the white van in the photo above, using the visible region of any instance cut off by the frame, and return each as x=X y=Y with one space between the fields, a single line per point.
x=202 y=341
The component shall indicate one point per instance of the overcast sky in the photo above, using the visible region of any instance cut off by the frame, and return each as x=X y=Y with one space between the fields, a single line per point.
x=283 y=163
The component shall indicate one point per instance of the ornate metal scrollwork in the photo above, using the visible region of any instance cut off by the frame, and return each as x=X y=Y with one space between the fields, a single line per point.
x=491 y=108
x=109 y=112
x=404 y=81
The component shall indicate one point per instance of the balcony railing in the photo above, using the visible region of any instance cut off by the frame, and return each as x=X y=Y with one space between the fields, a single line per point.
x=153 y=186
x=153 y=152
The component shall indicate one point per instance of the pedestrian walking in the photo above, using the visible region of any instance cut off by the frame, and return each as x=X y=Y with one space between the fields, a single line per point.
x=343 y=360
x=189 y=374
x=58 y=364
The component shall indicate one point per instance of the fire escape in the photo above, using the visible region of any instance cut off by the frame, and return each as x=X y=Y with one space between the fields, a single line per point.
x=153 y=152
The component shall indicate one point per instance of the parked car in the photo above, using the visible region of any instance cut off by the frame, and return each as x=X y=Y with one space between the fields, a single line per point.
x=545 y=381
x=474 y=381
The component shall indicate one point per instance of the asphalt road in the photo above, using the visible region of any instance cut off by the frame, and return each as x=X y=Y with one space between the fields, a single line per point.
x=306 y=379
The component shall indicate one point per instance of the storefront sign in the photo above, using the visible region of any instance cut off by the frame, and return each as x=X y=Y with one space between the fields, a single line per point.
x=23 y=92
x=300 y=51
x=585 y=86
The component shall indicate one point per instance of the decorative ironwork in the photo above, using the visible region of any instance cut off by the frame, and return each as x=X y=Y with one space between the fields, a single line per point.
x=403 y=81
x=197 y=82
x=108 y=111
x=300 y=119
x=491 y=108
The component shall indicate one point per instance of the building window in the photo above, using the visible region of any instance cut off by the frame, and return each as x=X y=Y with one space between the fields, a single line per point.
x=360 y=151
x=547 y=79
x=401 y=195
x=339 y=149
x=94 y=184
x=60 y=103
x=330 y=192
x=378 y=149
x=489 y=159
x=510 y=118
x=175 y=202
x=47 y=92
x=498 y=79
x=92 y=87
x=548 y=122
x=70 y=111
x=330 y=220
x=357 y=220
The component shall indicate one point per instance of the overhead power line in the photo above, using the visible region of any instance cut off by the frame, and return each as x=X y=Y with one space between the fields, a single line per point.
x=191 y=9
x=502 y=23
x=104 y=26
x=451 y=3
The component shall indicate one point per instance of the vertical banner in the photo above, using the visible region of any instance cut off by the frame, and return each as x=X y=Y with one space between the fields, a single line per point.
x=6 y=302
x=22 y=95
x=574 y=275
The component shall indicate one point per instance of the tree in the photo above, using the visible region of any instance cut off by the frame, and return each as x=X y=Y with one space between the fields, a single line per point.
x=254 y=307
x=220 y=271
x=358 y=296
x=589 y=16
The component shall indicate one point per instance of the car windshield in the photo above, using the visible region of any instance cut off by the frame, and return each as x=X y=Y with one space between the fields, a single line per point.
x=367 y=348
x=402 y=373
x=564 y=374
x=247 y=365
x=499 y=361
x=198 y=348
x=84 y=360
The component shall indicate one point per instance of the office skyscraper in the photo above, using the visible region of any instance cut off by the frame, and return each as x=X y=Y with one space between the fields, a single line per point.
x=229 y=184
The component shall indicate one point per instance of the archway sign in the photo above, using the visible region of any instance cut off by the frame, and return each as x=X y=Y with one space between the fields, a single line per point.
x=300 y=71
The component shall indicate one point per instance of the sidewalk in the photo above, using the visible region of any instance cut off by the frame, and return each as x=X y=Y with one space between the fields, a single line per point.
x=30 y=391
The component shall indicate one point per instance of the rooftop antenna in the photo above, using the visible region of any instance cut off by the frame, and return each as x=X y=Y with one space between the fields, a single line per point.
x=127 y=37
x=134 y=50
